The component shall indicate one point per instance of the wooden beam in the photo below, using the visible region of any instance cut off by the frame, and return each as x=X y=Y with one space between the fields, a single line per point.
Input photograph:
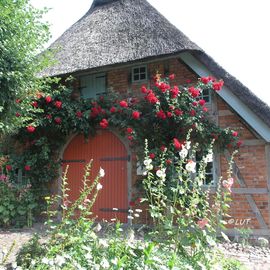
x=249 y=197
x=250 y=190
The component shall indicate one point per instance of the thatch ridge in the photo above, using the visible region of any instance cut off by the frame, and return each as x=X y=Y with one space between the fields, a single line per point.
x=117 y=32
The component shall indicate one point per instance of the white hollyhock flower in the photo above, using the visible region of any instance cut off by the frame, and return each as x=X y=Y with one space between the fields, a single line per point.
x=183 y=153
x=149 y=167
x=104 y=263
x=188 y=145
x=101 y=172
x=191 y=166
x=99 y=186
x=147 y=162
x=161 y=173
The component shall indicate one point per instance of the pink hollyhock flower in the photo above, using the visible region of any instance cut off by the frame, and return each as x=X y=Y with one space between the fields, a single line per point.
x=27 y=167
x=58 y=104
x=136 y=115
x=104 y=123
x=172 y=76
x=48 y=99
x=234 y=133
x=228 y=183
x=58 y=120
x=202 y=223
x=30 y=129
x=123 y=104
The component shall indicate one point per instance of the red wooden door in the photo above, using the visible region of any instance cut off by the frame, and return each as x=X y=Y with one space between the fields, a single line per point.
x=109 y=153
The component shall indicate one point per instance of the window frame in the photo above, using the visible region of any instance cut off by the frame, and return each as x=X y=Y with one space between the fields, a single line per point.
x=139 y=74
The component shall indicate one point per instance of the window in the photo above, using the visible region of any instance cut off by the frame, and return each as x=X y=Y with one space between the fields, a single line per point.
x=93 y=86
x=210 y=176
x=205 y=95
x=139 y=74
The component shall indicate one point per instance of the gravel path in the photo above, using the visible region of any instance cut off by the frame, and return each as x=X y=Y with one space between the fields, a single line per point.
x=255 y=258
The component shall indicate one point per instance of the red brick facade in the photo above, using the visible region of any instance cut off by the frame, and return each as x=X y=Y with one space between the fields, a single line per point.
x=251 y=159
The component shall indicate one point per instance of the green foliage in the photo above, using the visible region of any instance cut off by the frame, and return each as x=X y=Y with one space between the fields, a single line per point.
x=22 y=35
x=178 y=241
x=17 y=204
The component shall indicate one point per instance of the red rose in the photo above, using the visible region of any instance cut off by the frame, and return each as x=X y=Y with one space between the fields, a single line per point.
x=35 y=104
x=8 y=167
x=168 y=162
x=144 y=89
x=192 y=113
x=30 y=129
x=169 y=114
x=136 y=115
x=27 y=167
x=163 y=87
x=218 y=85
x=58 y=104
x=123 y=104
x=172 y=76
x=151 y=97
x=161 y=114
x=171 y=107
x=17 y=114
x=58 y=120
x=174 y=92
x=48 y=99
x=130 y=138
x=131 y=204
x=205 y=80
x=79 y=114
x=178 y=112
x=129 y=130
x=49 y=116
x=162 y=148
x=113 y=110
x=202 y=102
x=152 y=155
x=177 y=144
x=194 y=92
x=104 y=123
x=94 y=112
x=239 y=143
x=18 y=101
x=205 y=109
x=235 y=134
x=195 y=103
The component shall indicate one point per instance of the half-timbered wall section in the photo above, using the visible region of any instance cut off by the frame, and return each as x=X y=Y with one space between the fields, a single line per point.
x=250 y=205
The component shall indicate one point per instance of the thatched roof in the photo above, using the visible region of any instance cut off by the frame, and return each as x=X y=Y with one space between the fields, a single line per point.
x=113 y=32
x=122 y=31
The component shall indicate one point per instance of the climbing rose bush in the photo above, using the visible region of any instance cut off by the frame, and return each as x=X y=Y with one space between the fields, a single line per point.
x=163 y=114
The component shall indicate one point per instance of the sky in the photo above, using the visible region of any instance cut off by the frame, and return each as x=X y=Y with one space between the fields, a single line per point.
x=236 y=33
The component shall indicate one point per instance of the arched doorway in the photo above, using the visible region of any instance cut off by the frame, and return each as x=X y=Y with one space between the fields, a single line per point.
x=109 y=153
